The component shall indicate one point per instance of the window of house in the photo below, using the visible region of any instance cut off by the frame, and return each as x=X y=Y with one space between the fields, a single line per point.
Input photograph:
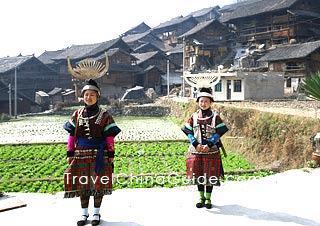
x=237 y=86
x=218 y=87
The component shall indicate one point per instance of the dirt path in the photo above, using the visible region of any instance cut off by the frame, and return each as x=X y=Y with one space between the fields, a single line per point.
x=299 y=108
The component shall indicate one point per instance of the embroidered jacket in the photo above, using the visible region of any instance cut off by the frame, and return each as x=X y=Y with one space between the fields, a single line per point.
x=202 y=125
x=92 y=122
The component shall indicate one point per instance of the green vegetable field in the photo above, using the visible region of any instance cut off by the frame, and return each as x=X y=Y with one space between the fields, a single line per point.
x=40 y=168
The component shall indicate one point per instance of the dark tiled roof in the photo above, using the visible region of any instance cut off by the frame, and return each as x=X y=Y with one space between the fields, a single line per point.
x=173 y=21
x=230 y=7
x=292 y=51
x=304 y=13
x=251 y=8
x=204 y=11
x=47 y=56
x=143 y=38
x=147 y=45
x=9 y=63
x=138 y=29
x=197 y=28
x=77 y=51
x=144 y=56
x=153 y=67
x=105 y=46
x=113 y=51
x=135 y=37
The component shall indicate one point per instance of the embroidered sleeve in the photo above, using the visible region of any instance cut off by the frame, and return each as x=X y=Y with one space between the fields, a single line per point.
x=188 y=130
x=188 y=126
x=110 y=127
x=221 y=127
x=70 y=125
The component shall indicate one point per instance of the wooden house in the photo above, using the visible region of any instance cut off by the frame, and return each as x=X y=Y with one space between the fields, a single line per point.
x=151 y=78
x=80 y=52
x=295 y=61
x=162 y=63
x=31 y=76
x=123 y=73
x=175 y=55
x=153 y=58
x=273 y=22
x=169 y=31
x=55 y=95
x=46 y=58
x=207 y=45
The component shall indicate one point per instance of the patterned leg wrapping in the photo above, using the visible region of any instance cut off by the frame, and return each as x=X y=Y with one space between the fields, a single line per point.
x=207 y=202
x=201 y=200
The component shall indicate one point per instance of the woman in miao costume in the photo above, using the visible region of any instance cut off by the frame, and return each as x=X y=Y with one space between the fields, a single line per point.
x=90 y=153
x=204 y=129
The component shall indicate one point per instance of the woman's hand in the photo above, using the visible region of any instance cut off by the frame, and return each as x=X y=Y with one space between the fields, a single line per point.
x=205 y=148
x=199 y=148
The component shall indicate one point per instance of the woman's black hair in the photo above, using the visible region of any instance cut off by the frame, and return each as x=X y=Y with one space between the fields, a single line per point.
x=92 y=82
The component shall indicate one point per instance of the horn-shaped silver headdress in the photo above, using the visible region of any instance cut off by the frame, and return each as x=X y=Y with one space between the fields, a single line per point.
x=201 y=80
x=89 y=68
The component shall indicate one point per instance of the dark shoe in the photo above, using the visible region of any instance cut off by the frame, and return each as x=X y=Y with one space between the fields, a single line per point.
x=83 y=220
x=96 y=222
x=200 y=204
x=208 y=204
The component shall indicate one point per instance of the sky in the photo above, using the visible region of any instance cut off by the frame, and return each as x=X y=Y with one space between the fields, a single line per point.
x=34 y=26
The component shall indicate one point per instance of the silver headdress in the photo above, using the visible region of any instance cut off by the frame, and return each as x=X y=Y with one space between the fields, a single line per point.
x=202 y=81
x=89 y=69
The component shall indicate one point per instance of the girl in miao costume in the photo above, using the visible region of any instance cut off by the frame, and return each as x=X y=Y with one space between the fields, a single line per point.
x=90 y=153
x=204 y=129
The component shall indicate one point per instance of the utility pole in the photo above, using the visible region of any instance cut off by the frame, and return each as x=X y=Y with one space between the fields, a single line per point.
x=183 y=65
x=15 y=92
x=10 y=100
x=168 y=84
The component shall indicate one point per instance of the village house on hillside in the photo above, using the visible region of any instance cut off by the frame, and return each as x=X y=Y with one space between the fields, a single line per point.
x=295 y=60
x=158 y=60
x=169 y=31
x=80 y=52
x=175 y=55
x=123 y=73
x=31 y=75
x=207 y=45
x=47 y=58
x=273 y=22
x=120 y=63
x=240 y=37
